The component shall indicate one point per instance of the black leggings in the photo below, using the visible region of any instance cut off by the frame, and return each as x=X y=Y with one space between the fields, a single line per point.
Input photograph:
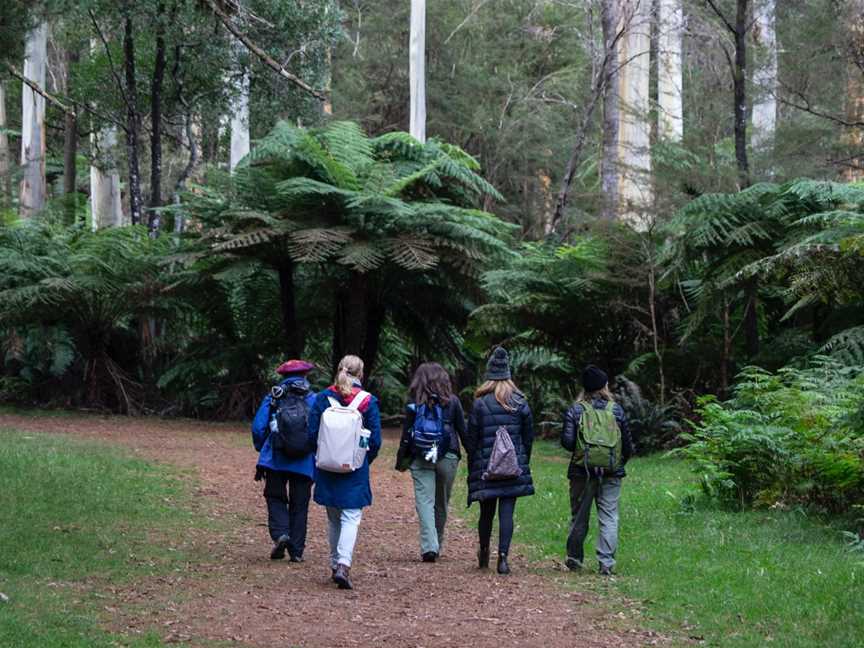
x=506 y=506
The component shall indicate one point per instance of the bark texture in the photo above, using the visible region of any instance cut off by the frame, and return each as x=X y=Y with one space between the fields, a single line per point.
x=609 y=163
x=765 y=74
x=5 y=157
x=156 y=88
x=133 y=123
x=670 y=65
x=33 y=191
x=634 y=129
x=417 y=69
x=240 y=138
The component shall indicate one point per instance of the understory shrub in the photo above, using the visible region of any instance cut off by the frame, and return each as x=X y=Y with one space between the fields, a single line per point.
x=791 y=437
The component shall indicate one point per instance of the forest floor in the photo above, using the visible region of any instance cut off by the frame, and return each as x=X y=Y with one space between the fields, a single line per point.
x=232 y=593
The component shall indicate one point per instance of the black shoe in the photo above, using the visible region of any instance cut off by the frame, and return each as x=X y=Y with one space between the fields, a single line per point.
x=279 y=548
x=296 y=558
x=342 y=577
x=483 y=558
x=573 y=564
x=430 y=556
x=503 y=567
x=606 y=571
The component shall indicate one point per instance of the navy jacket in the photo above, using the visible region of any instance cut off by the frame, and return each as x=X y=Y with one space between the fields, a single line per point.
x=487 y=415
x=273 y=459
x=454 y=428
x=346 y=490
x=572 y=418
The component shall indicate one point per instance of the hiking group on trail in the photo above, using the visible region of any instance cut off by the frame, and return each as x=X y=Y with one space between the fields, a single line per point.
x=326 y=442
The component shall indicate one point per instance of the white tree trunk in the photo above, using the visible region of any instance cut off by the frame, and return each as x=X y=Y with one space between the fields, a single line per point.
x=33 y=188
x=106 y=207
x=765 y=74
x=240 y=138
x=634 y=130
x=106 y=201
x=670 y=21
x=417 y=69
x=5 y=157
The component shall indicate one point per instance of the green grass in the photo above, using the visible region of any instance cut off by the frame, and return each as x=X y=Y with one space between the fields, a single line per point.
x=75 y=519
x=734 y=579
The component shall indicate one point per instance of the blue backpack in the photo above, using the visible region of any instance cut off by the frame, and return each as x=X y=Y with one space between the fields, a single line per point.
x=428 y=431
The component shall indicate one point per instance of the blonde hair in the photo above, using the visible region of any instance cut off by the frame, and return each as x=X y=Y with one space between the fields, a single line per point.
x=350 y=369
x=603 y=392
x=506 y=392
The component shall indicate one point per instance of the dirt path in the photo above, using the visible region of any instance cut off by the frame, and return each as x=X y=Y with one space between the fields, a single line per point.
x=240 y=596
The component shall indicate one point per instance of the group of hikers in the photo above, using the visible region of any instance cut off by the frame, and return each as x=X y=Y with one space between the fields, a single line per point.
x=328 y=440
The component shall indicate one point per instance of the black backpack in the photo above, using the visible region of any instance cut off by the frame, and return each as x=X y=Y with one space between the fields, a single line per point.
x=288 y=412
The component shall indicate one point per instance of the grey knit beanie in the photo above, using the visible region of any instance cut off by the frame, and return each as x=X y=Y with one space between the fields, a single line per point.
x=498 y=367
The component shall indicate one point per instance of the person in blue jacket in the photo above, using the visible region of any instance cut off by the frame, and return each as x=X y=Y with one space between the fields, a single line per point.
x=287 y=480
x=346 y=494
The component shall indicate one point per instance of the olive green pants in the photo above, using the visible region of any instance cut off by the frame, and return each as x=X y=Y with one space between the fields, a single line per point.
x=433 y=484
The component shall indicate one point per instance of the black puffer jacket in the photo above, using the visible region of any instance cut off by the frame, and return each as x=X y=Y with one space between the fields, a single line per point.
x=487 y=415
x=572 y=420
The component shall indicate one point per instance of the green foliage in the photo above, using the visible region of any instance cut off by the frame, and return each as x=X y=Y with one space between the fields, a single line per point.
x=653 y=426
x=785 y=438
x=732 y=579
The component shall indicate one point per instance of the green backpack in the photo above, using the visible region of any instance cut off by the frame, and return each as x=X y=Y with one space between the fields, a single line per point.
x=598 y=440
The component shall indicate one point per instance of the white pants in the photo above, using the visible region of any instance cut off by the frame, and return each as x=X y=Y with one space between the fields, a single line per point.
x=343 y=525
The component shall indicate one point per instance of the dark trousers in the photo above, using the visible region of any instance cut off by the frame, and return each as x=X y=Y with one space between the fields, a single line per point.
x=287 y=496
x=506 y=506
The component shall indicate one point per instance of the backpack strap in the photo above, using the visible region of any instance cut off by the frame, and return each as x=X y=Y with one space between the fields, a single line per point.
x=334 y=402
x=358 y=399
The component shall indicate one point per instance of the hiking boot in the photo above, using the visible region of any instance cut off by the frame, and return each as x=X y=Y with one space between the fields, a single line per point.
x=430 y=556
x=503 y=566
x=573 y=564
x=296 y=558
x=606 y=571
x=483 y=558
x=342 y=577
x=279 y=548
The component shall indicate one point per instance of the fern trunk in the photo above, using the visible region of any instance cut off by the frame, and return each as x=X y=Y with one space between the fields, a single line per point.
x=358 y=322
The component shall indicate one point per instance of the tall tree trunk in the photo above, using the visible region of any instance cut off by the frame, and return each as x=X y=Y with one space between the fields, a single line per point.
x=610 y=19
x=33 y=185
x=5 y=156
x=634 y=129
x=106 y=206
x=156 y=87
x=70 y=146
x=853 y=137
x=765 y=74
x=133 y=123
x=417 y=69
x=240 y=138
x=670 y=66
x=740 y=91
x=292 y=336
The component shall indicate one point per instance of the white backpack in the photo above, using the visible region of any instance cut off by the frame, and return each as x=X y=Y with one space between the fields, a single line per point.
x=342 y=440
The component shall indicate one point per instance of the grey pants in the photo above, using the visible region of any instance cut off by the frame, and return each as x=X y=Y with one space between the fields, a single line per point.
x=433 y=484
x=605 y=491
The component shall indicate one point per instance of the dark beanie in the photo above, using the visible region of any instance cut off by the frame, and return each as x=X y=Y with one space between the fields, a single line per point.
x=498 y=367
x=594 y=378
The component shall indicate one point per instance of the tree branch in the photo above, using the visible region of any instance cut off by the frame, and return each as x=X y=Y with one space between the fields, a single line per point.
x=722 y=16
x=38 y=90
x=261 y=54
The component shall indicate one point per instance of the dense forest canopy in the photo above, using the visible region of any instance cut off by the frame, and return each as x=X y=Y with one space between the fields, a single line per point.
x=193 y=190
